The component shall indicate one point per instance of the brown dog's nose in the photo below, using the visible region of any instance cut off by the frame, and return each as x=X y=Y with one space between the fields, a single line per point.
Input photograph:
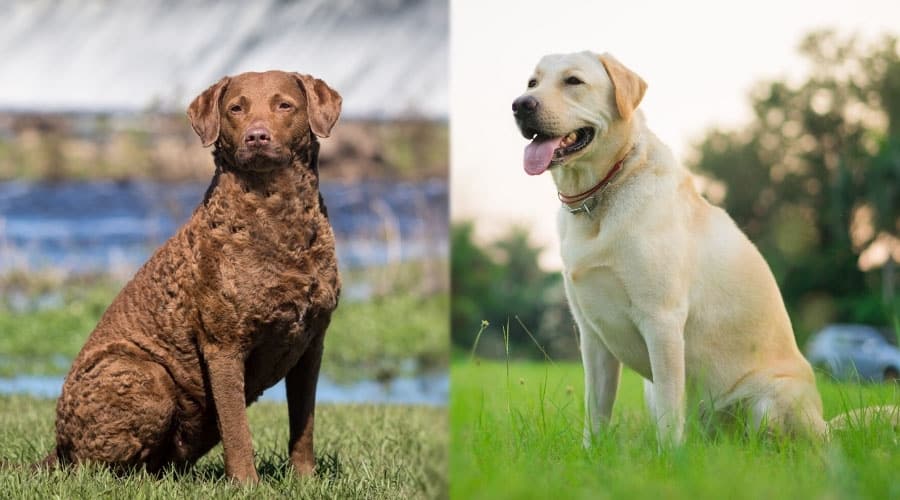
x=524 y=105
x=257 y=136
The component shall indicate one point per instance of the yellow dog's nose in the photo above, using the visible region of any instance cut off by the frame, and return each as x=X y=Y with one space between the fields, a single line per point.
x=524 y=105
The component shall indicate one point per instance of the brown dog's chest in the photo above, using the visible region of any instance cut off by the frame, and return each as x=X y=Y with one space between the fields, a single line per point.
x=279 y=273
x=277 y=347
x=280 y=280
x=281 y=326
x=268 y=269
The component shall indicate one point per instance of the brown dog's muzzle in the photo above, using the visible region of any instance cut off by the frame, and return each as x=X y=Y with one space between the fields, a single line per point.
x=260 y=150
x=257 y=137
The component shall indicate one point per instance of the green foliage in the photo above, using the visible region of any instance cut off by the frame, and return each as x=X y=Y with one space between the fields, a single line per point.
x=814 y=178
x=415 y=148
x=517 y=433
x=503 y=284
x=377 y=337
x=365 y=339
x=162 y=146
x=41 y=341
x=362 y=451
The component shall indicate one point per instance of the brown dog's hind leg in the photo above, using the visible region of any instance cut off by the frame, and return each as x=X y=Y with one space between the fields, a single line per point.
x=119 y=413
x=300 y=383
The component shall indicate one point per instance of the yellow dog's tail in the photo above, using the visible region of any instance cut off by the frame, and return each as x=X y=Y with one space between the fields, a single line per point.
x=866 y=417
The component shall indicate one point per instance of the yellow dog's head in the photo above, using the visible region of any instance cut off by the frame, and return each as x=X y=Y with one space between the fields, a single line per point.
x=571 y=101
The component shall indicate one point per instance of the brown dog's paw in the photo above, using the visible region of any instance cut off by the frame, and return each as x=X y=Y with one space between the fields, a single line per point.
x=245 y=478
x=304 y=468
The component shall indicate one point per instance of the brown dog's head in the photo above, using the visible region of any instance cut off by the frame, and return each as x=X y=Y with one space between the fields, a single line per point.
x=260 y=119
x=571 y=100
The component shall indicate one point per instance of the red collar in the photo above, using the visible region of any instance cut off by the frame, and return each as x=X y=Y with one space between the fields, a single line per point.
x=569 y=200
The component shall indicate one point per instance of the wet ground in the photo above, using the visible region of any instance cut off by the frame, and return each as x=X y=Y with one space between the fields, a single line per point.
x=427 y=389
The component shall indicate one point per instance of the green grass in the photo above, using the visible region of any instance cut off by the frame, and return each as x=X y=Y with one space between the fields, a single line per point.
x=365 y=339
x=362 y=451
x=516 y=433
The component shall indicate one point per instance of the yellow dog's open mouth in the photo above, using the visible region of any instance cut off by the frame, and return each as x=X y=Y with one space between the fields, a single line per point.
x=544 y=152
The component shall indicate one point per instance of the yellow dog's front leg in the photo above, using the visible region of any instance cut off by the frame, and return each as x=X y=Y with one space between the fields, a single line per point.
x=665 y=347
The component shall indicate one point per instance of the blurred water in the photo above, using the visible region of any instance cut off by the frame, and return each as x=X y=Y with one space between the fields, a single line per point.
x=112 y=227
x=429 y=389
x=388 y=58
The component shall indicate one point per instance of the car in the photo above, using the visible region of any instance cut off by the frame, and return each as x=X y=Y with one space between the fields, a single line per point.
x=855 y=352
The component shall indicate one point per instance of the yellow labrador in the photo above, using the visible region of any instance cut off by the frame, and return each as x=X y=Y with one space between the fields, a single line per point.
x=656 y=277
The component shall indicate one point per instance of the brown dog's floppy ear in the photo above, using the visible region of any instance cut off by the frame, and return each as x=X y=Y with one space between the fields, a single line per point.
x=629 y=86
x=204 y=112
x=323 y=104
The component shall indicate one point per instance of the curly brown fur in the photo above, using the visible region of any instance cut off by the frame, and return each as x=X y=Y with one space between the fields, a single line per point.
x=239 y=298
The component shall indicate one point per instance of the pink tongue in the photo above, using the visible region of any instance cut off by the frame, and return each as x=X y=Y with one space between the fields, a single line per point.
x=539 y=153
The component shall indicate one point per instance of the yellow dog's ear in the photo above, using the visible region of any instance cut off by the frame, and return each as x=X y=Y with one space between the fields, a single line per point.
x=629 y=86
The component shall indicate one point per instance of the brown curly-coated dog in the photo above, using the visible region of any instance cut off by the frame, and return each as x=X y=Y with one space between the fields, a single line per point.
x=239 y=298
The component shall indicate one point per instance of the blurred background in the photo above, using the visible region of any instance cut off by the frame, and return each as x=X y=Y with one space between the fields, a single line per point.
x=99 y=166
x=789 y=114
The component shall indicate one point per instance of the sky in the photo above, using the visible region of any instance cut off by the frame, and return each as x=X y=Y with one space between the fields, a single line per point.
x=700 y=59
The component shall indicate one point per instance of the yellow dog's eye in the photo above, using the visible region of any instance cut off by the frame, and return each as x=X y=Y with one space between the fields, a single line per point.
x=235 y=109
x=532 y=83
x=285 y=105
x=573 y=80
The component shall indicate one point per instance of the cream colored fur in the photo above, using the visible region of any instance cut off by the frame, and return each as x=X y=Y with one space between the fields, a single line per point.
x=659 y=279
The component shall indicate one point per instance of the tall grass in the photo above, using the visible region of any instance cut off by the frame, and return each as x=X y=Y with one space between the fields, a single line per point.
x=516 y=432
x=520 y=436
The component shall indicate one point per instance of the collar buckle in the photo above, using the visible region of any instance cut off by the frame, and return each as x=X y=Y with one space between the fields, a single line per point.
x=586 y=206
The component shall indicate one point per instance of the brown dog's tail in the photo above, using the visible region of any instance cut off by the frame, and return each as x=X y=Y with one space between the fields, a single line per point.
x=49 y=462
x=866 y=417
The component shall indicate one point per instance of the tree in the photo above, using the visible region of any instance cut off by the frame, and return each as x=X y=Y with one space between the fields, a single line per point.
x=813 y=179
x=503 y=284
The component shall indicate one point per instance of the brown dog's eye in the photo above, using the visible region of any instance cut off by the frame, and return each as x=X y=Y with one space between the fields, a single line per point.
x=532 y=83
x=285 y=105
x=573 y=80
x=236 y=108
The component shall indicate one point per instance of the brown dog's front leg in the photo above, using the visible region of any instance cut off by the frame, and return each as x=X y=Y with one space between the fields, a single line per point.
x=226 y=376
x=301 y=397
